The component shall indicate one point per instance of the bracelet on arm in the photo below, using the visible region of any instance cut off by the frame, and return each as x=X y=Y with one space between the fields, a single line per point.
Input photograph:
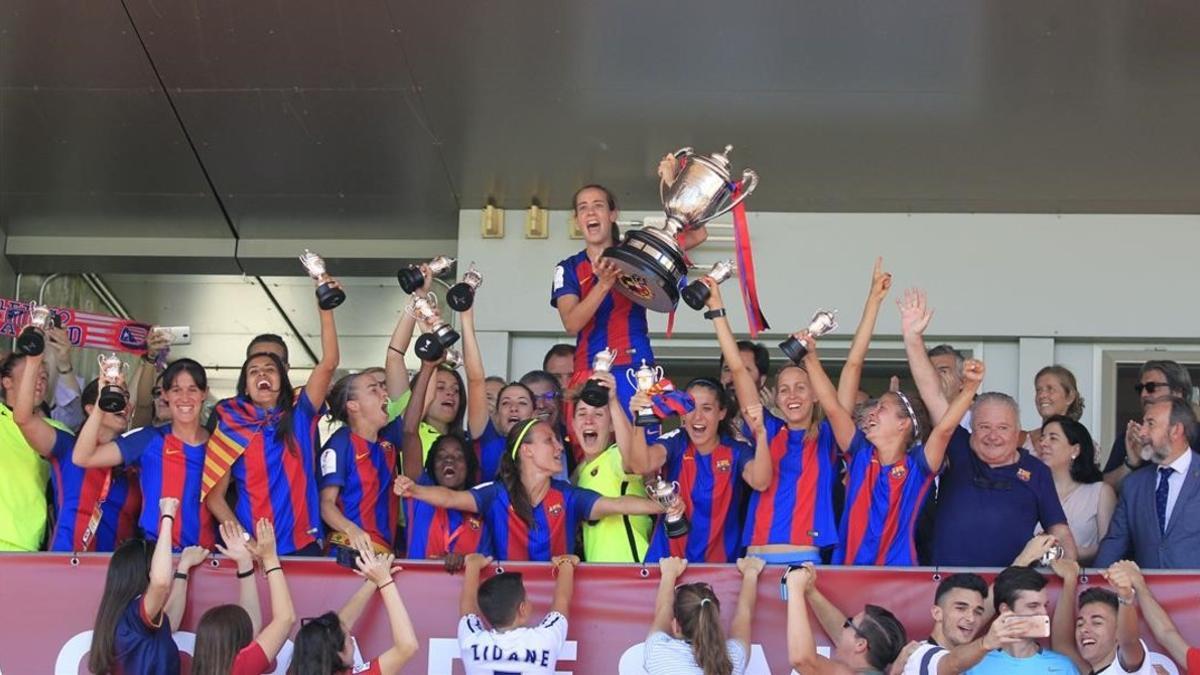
x=166 y=516
x=247 y=573
x=389 y=583
x=181 y=576
x=277 y=568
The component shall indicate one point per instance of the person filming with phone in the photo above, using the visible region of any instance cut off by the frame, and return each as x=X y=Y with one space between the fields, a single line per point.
x=1020 y=596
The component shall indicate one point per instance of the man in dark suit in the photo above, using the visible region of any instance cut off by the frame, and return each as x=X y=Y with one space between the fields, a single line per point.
x=1157 y=521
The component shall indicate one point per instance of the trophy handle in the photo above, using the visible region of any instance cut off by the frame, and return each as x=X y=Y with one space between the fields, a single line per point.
x=659 y=372
x=678 y=155
x=631 y=378
x=748 y=184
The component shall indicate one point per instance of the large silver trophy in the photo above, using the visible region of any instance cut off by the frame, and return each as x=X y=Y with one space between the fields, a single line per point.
x=823 y=321
x=667 y=494
x=650 y=261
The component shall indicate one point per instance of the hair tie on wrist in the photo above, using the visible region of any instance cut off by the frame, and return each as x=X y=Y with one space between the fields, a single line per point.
x=247 y=573
x=277 y=568
x=389 y=583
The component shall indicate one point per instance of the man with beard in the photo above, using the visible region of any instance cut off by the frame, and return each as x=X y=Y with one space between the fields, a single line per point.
x=1157 y=520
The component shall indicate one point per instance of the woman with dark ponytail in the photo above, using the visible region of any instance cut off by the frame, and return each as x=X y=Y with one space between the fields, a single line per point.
x=686 y=637
x=548 y=511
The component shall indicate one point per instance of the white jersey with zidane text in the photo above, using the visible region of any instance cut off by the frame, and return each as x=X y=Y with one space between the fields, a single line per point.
x=520 y=650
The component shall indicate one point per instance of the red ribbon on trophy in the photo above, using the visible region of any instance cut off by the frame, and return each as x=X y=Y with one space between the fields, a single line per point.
x=84 y=329
x=745 y=269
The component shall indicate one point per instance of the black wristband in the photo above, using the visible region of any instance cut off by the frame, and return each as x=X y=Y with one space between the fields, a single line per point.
x=165 y=516
x=247 y=573
x=181 y=575
x=715 y=313
x=277 y=568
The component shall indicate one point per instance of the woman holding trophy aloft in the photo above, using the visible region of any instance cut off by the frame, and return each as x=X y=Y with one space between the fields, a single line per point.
x=530 y=515
x=266 y=442
x=708 y=468
x=583 y=293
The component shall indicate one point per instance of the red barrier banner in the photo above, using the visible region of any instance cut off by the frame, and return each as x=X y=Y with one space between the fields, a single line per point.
x=47 y=606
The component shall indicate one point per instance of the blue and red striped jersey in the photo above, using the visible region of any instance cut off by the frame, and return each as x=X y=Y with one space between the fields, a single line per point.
x=555 y=521
x=365 y=472
x=77 y=491
x=433 y=531
x=489 y=449
x=711 y=487
x=617 y=324
x=797 y=508
x=882 y=503
x=276 y=480
x=169 y=468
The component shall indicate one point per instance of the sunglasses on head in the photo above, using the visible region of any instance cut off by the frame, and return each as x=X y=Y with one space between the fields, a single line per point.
x=857 y=631
x=1151 y=387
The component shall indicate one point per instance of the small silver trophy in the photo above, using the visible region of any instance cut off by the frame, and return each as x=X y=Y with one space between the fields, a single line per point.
x=32 y=340
x=439 y=336
x=823 y=321
x=461 y=296
x=667 y=494
x=593 y=393
x=1053 y=553
x=644 y=379
x=329 y=295
x=696 y=293
x=412 y=278
x=113 y=397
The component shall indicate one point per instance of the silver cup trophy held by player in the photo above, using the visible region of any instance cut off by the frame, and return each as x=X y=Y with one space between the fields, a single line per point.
x=328 y=293
x=32 y=340
x=667 y=494
x=113 y=397
x=438 y=335
x=411 y=278
x=696 y=293
x=823 y=322
x=650 y=261
x=461 y=296
x=644 y=379
x=594 y=393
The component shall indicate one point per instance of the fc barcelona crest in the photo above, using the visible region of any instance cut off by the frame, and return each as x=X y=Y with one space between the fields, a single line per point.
x=556 y=510
x=723 y=465
x=898 y=472
x=1024 y=475
x=473 y=523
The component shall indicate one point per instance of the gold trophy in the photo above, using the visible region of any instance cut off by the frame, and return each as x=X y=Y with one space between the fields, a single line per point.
x=328 y=293
x=412 y=278
x=822 y=322
x=113 y=397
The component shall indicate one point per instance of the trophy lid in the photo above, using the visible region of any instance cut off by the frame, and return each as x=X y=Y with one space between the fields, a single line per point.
x=717 y=161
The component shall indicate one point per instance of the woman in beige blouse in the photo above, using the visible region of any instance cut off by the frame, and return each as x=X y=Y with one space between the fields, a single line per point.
x=1067 y=448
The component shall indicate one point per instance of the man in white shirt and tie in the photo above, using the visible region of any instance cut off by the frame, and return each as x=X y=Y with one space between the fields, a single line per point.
x=1157 y=520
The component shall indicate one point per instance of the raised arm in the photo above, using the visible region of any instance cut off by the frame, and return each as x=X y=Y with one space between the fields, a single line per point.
x=1062 y=622
x=943 y=431
x=743 y=384
x=743 y=615
x=321 y=377
x=89 y=453
x=915 y=316
x=840 y=419
x=564 y=583
x=189 y=558
x=1165 y=632
x=851 y=376
x=283 y=614
x=759 y=471
x=477 y=405
x=828 y=615
x=356 y=604
x=37 y=432
x=802 y=646
x=412 y=450
x=576 y=312
x=155 y=597
x=378 y=569
x=473 y=566
x=1121 y=576
x=642 y=458
x=458 y=500
x=664 y=600
x=232 y=535
x=395 y=371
